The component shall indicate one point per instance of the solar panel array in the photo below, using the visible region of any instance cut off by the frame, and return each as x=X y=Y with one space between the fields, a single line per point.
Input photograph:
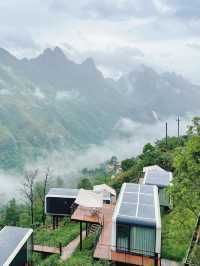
x=158 y=177
x=10 y=238
x=138 y=205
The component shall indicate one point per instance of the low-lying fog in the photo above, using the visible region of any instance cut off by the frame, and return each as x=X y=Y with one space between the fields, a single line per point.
x=127 y=141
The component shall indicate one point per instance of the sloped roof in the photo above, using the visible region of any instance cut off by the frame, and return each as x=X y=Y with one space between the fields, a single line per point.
x=104 y=188
x=138 y=204
x=89 y=199
x=12 y=240
x=63 y=192
x=157 y=176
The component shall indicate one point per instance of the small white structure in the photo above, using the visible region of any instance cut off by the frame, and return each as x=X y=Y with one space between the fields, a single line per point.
x=104 y=188
x=109 y=194
x=155 y=175
x=89 y=199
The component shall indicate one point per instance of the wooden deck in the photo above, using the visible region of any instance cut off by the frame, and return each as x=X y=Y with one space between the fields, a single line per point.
x=132 y=259
x=103 y=248
x=82 y=214
x=46 y=249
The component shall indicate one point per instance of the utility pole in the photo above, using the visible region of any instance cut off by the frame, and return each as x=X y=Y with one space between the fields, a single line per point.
x=166 y=133
x=178 y=121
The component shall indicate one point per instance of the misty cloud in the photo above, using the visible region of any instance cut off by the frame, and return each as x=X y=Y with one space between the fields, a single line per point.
x=39 y=94
x=68 y=95
x=195 y=46
x=127 y=141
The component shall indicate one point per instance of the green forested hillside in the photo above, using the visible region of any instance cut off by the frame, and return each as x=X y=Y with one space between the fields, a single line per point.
x=180 y=155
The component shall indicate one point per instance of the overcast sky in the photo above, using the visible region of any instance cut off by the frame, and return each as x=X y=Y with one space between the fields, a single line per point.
x=118 y=34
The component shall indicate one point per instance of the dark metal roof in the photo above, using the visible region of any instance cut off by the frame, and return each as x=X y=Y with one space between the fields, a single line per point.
x=63 y=192
x=12 y=240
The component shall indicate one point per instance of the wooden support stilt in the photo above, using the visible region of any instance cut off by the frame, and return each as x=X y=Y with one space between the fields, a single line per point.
x=57 y=221
x=86 y=229
x=81 y=235
x=53 y=222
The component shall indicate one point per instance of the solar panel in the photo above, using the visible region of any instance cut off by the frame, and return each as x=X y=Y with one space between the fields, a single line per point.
x=146 y=211
x=158 y=177
x=130 y=197
x=128 y=209
x=138 y=204
x=132 y=188
x=146 y=199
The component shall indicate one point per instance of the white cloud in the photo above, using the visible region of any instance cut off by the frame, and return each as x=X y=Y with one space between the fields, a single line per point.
x=5 y=92
x=39 y=94
x=68 y=95
x=111 y=29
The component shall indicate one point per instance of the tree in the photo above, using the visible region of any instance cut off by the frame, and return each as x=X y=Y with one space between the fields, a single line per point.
x=186 y=190
x=41 y=190
x=127 y=164
x=28 y=190
x=11 y=213
x=194 y=129
x=85 y=183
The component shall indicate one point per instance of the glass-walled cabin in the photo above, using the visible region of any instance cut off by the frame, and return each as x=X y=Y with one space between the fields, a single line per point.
x=136 y=225
x=59 y=201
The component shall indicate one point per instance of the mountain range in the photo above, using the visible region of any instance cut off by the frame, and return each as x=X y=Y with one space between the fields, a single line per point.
x=51 y=103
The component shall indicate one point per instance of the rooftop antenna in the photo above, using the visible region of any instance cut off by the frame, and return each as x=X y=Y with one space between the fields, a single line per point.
x=178 y=124
x=166 y=133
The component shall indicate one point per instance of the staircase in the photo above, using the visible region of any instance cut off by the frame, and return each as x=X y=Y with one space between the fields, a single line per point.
x=93 y=228
x=194 y=242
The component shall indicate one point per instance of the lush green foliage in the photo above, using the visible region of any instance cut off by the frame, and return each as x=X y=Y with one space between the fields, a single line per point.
x=85 y=183
x=180 y=155
x=65 y=233
x=79 y=258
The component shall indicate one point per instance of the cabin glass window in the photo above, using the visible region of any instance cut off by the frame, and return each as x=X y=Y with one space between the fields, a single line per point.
x=142 y=240
x=122 y=237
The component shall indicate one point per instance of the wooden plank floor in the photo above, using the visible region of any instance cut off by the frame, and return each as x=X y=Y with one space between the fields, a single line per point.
x=103 y=248
x=46 y=249
x=71 y=247
x=85 y=215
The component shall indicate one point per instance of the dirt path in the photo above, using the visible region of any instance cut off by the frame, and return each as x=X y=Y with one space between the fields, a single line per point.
x=71 y=247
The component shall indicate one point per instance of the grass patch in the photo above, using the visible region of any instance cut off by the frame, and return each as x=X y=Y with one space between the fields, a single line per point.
x=85 y=257
x=66 y=232
x=79 y=258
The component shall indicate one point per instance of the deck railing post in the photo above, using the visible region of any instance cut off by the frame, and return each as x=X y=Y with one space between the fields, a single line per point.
x=81 y=229
x=60 y=248
x=156 y=259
